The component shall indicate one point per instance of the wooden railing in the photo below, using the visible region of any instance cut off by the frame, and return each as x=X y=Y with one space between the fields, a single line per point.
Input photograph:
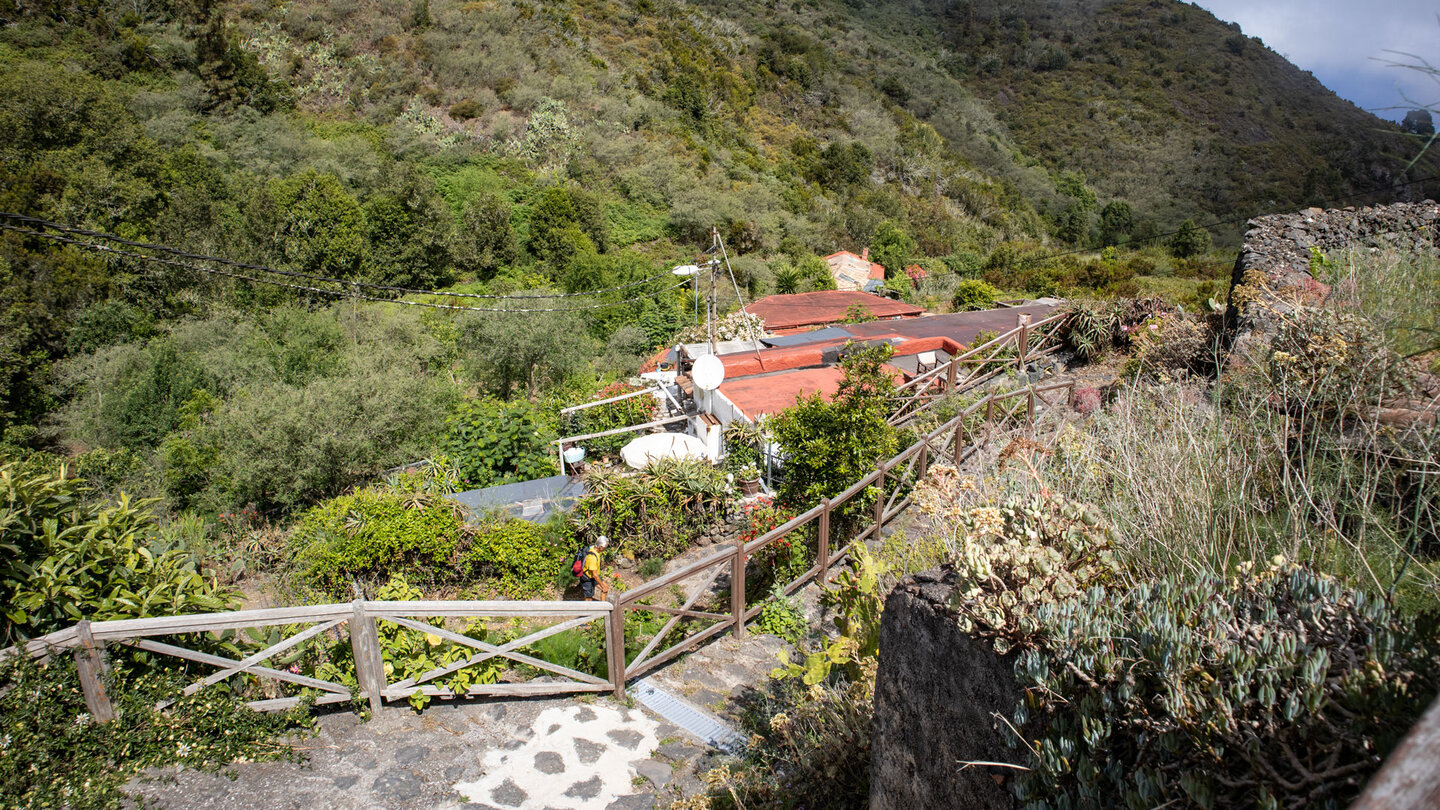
x=978 y=365
x=858 y=514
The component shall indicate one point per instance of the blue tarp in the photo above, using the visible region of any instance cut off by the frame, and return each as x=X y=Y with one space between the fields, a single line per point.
x=528 y=500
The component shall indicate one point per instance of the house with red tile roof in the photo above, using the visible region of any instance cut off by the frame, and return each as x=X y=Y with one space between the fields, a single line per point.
x=852 y=272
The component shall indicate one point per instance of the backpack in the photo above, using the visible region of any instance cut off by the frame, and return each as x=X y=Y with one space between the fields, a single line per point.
x=578 y=567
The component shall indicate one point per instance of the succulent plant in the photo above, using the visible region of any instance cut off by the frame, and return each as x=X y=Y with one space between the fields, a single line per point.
x=1280 y=688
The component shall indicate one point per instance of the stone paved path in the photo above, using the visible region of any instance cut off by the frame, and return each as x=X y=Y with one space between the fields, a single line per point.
x=560 y=753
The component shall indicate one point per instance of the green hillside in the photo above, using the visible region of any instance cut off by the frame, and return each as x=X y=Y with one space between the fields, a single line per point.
x=508 y=144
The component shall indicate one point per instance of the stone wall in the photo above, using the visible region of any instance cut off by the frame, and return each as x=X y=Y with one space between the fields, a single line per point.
x=937 y=692
x=1272 y=273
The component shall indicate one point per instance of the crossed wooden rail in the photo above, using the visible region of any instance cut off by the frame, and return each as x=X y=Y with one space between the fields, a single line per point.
x=889 y=485
x=979 y=365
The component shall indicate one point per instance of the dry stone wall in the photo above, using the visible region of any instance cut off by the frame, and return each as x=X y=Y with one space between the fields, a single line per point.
x=1272 y=274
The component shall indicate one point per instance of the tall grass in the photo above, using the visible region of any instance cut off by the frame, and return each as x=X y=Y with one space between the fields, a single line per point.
x=1290 y=457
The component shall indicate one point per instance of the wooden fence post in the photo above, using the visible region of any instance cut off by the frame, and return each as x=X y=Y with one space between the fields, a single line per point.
x=737 y=588
x=950 y=377
x=90 y=663
x=959 y=441
x=923 y=464
x=822 y=551
x=1023 y=341
x=1030 y=407
x=615 y=647
x=369 y=660
x=880 y=502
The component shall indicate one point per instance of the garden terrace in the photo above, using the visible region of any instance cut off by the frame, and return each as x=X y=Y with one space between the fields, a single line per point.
x=642 y=628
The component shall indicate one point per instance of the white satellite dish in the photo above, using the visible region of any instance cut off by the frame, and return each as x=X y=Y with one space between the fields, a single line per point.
x=686 y=270
x=708 y=372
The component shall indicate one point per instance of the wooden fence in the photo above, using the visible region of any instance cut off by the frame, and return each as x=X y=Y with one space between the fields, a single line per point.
x=1028 y=342
x=857 y=514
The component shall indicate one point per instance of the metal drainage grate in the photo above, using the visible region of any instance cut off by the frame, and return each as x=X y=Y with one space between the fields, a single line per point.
x=688 y=716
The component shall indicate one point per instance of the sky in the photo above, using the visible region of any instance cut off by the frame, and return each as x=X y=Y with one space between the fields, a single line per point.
x=1340 y=42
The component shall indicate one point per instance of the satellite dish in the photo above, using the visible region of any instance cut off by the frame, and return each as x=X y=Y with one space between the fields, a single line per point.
x=708 y=372
x=686 y=270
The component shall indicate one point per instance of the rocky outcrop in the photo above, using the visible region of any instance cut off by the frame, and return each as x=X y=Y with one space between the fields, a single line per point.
x=939 y=697
x=1272 y=274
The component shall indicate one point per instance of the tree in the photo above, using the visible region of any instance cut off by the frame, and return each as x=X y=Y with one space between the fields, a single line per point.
x=231 y=74
x=829 y=444
x=523 y=353
x=486 y=241
x=1418 y=122
x=409 y=231
x=1116 y=220
x=892 y=248
x=319 y=228
x=557 y=220
x=1189 y=240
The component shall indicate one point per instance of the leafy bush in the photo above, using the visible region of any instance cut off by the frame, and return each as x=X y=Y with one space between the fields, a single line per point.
x=494 y=442
x=1276 y=689
x=783 y=617
x=55 y=755
x=972 y=294
x=830 y=444
x=518 y=557
x=66 y=558
x=408 y=653
x=372 y=534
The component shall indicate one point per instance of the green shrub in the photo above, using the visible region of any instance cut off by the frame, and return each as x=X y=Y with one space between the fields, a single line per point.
x=1277 y=689
x=517 y=557
x=972 y=294
x=372 y=534
x=782 y=616
x=1189 y=240
x=64 y=558
x=494 y=442
x=55 y=755
x=465 y=109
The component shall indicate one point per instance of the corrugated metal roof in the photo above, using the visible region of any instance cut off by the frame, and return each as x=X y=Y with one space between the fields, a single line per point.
x=528 y=500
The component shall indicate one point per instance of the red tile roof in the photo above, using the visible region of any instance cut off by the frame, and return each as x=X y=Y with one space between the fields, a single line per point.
x=791 y=313
x=773 y=393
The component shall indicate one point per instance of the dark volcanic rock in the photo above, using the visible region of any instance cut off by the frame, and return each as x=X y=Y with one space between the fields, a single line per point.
x=936 y=692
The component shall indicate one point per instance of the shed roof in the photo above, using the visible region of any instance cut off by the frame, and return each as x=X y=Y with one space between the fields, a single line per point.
x=790 y=313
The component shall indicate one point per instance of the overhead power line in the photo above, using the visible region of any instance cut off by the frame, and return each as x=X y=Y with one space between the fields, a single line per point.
x=348 y=294
x=259 y=268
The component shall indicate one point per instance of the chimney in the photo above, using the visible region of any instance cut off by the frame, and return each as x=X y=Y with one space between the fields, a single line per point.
x=865 y=254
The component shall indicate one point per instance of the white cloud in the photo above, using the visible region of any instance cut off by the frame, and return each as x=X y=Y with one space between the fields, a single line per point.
x=1345 y=43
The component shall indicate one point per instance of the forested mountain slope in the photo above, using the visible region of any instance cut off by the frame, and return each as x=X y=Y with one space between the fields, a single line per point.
x=511 y=144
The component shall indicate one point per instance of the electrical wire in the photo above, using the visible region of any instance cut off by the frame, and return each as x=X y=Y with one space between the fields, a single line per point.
x=297 y=274
x=355 y=295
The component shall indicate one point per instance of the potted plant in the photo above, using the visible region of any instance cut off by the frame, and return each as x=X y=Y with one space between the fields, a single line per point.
x=749 y=479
